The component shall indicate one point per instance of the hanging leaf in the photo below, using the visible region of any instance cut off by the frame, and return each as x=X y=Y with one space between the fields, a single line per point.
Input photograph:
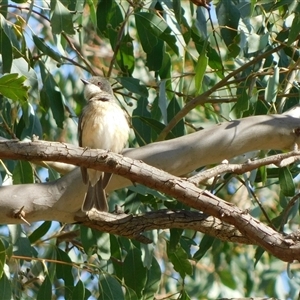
x=179 y=259
x=200 y=71
x=135 y=274
x=286 y=182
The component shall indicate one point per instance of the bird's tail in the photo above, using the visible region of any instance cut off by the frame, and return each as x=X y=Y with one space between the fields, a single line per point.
x=95 y=197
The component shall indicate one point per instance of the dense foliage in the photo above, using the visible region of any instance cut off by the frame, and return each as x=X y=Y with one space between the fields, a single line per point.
x=176 y=68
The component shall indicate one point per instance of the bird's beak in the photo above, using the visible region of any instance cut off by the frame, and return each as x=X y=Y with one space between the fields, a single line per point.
x=84 y=81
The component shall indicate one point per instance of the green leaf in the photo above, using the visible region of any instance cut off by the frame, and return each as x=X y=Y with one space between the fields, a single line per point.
x=39 y=232
x=205 y=244
x=125 y=57
x=93 y=14
x=12 y=87
x=53 y=96
x=294 y=30
x=173 y=109
x=103 y=244
x=242 y=103
x=109 y=18
x=23 y=247
x=179 y=259
x=46 y=49
x=150 y=27
x=153 y=280
x=163 y=101
x=272 y=86
x=258 y=255
x=135 y=274
x=257 y=42
x=116 y=256
x=184 y=295
x=79 y=291
x=228 y=18
x=227 y=279
x=2 y=257
x=29 y=123
x=200 y=71
x=5 y=47
x=109 y=288
x=21 y=67
x=286 y=182
x=142 y=131
x=155 y=56
x=64 y=271
x=45 y=290
x=23 y=173
x=61 y=18
x=175 y=235
x=5 y=288
x=133 y=85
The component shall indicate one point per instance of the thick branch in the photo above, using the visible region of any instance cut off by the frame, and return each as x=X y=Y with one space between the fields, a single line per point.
x=179 y=188
x=134 y=226
x=61 y=200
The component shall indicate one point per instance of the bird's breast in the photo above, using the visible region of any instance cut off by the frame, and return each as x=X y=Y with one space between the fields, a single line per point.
x=104 y=126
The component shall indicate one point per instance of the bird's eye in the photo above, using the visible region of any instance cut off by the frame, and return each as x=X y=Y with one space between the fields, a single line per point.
x=100 y=83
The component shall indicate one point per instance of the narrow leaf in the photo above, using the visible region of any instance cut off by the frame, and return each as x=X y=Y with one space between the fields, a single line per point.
x=294 y=31
x=133 y=85
x=205 y=244
x=39 y=232
x=135 y=274
x=272 y=86
x=46 y=49
x=200 y=71
x=286 y=182
x=2 y=258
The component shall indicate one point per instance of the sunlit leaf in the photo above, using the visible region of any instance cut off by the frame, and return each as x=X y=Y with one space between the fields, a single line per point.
x=200 y=71
x=12 y=86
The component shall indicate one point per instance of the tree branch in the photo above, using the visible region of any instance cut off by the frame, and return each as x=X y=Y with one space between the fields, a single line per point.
x=61 y=200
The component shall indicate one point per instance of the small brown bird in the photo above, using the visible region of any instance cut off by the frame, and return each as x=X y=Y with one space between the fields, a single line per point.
x=102 y=125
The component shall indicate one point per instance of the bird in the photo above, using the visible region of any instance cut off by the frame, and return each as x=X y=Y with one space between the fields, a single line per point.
x=102 y=125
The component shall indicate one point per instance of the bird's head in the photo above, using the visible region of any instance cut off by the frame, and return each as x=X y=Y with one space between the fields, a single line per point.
x=96 y=85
